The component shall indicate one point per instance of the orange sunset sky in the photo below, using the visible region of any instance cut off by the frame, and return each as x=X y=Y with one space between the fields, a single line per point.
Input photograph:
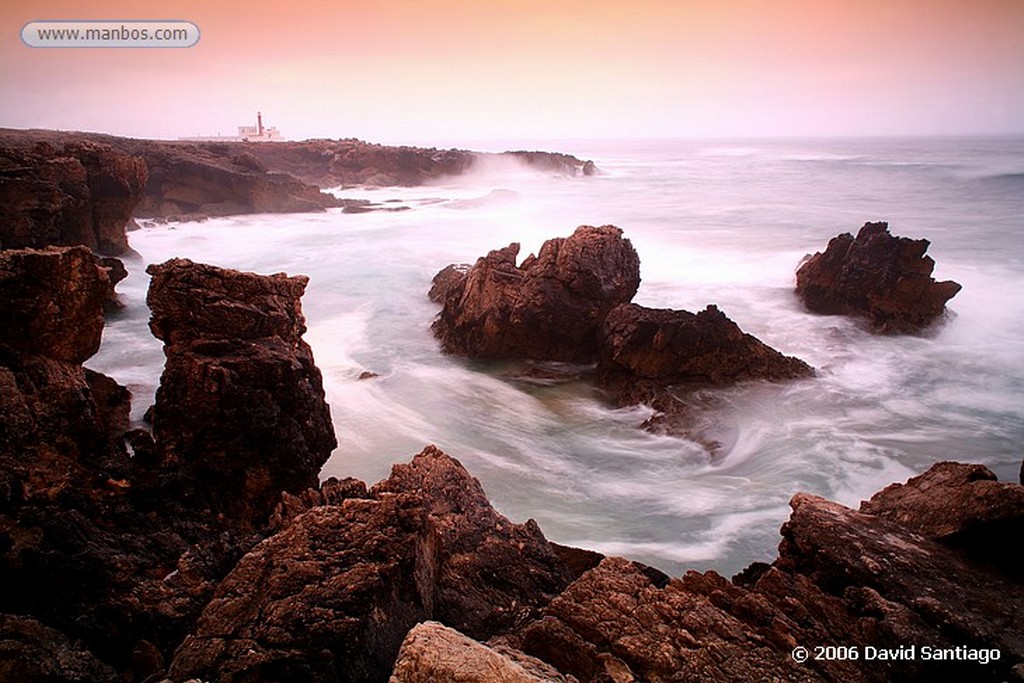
x=450 y=72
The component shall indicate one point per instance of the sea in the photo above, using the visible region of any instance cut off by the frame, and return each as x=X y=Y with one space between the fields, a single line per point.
x=714 y=222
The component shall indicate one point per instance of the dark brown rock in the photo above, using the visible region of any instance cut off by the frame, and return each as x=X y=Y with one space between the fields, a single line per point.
x=471 y=593
x=448 y=278
x=331 y=597
x=679 y=347
x=842 y=578
x=654 y=356
x=33 y=653
x=61 y=190
x=548 y=308
x=240 y=413
x=51 y=302
x=193 y=301
x=877 y=276
x=963 y=506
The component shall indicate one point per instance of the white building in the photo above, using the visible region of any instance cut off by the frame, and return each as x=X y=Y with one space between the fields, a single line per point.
x=257 y=133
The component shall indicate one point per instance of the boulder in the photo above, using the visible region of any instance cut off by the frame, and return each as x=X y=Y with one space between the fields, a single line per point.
x=884 y=279
x=655 y=356
x=332 y=595
x=60 y=190
x=432 y=652
x=240 y=413
x=550 y=307
x=679 y=347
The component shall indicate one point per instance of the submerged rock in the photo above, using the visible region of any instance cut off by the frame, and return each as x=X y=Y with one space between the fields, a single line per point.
x=240 y=413
x=550 y=307
x=883 y=278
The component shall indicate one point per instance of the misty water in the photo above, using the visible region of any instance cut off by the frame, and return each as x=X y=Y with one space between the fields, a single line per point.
x=713 y=222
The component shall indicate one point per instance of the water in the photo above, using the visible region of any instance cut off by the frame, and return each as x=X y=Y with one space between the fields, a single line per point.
x=713 y=222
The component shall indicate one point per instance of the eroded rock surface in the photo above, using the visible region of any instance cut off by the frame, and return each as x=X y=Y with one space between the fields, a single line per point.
x=432 y=652
x=332 y=596
x=884 y=279
x=550 y=307
x=117 y=555
x=63 y=191
x=679 y=347
x=240 y=413
x=842 y=578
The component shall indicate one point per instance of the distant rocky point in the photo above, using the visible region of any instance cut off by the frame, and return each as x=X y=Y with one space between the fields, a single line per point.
x=161 y=178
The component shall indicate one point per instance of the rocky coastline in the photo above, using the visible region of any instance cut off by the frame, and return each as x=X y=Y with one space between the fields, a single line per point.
x=181 y=180
x=203 y=546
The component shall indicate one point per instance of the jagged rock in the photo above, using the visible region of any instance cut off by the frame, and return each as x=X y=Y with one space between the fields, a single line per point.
x=649 y=356
x=51 y=302
x=842 y=578
x=448 y=278
x=883 y=278
x=679 y=347
x=434 y=653
x=963 y=506
x=240 y=413
x=60 y=190
x=193 y=301
x=33 y=653
x=548 y=308
x=332 y=596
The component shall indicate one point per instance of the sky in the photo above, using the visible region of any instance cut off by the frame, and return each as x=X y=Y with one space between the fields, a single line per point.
x=450 y=72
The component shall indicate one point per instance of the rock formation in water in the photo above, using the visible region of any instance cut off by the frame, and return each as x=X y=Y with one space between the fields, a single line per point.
x=331 y=596
x=63 y=191
x=240 y=413
x=678 y=347
x=877 y=276
x=550 y=307
x=571 y=303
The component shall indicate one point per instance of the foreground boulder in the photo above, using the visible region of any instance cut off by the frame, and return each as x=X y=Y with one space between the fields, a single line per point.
x=240 y=413
x=66 y=191
x=550 y=307
x=877 y=276
x=432 y=652
x=331 y=597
